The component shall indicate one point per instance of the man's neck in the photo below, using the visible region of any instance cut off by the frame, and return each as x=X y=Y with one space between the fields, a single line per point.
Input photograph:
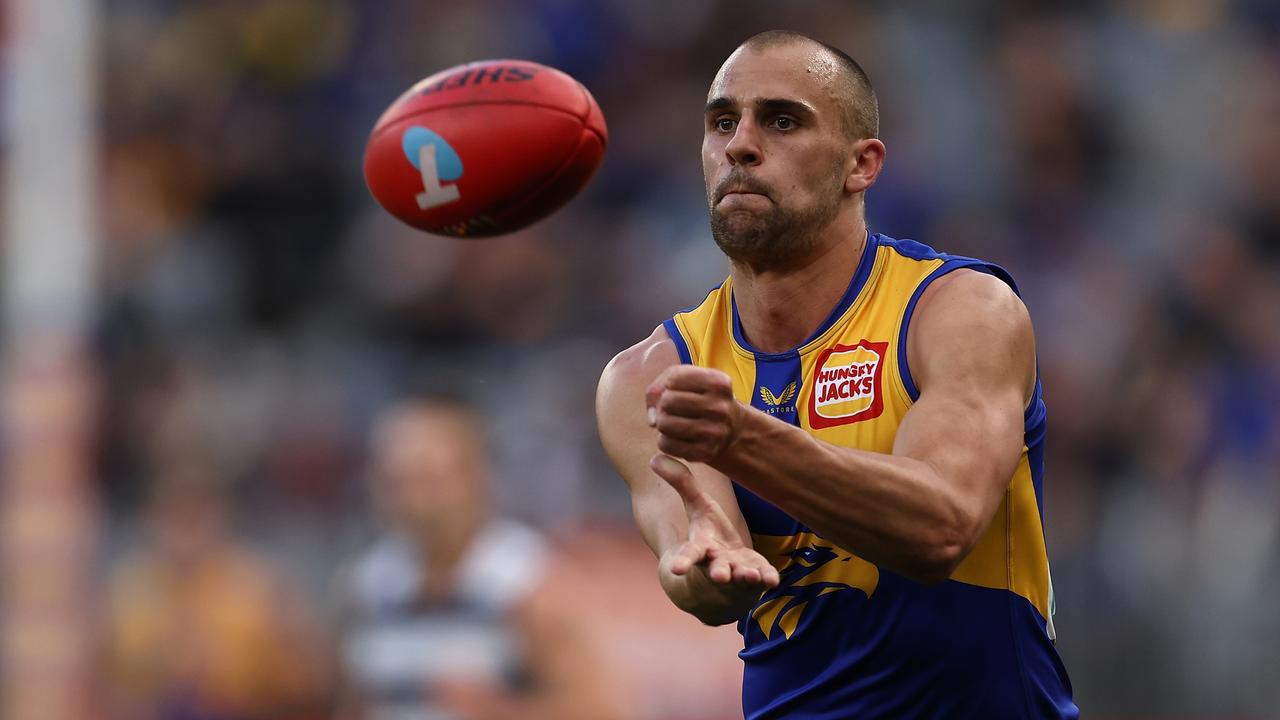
x=779 y=310
x=443 y=548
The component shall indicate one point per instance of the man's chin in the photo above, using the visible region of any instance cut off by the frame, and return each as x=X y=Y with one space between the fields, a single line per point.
x=742 y=224
x=748 y=238
x=741 y=244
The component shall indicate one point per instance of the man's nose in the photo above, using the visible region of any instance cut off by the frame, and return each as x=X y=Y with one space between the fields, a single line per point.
x=744 y=147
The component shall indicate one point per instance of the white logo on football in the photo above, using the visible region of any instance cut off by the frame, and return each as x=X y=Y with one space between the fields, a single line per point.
x=433 y=194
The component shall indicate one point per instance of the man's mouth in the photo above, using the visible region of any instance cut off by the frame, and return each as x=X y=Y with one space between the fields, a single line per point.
x=742 y=195
x=743 y=191
x=741 y=186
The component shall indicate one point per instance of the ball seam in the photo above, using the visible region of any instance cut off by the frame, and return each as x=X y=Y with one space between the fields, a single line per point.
x=379 y=130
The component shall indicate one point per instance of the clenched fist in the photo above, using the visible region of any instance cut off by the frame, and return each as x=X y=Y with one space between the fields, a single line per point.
x=694 y=411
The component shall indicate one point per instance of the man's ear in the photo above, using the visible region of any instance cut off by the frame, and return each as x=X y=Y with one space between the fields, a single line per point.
x=868 y=157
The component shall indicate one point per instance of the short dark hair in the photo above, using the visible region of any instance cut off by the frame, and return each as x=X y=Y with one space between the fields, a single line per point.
x=855 y=94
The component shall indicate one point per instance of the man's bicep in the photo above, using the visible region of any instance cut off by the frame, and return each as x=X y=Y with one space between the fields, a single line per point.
x=620 y=410
x=972 y=353
x=630 y=443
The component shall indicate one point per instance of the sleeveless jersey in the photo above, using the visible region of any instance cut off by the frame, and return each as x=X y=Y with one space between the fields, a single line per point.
x=840 y=637
x=398 y=647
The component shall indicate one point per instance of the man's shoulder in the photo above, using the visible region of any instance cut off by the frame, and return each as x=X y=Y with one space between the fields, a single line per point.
x=642 y=362
x=940 y=279
x=972 y=319
x=973 y=292
x=908 y=248
x=620 y=394
x=941 y=263
x=502 y=564
x=387 y=575
x=505 y=564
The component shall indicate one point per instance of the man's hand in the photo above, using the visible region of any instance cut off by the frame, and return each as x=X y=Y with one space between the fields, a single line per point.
x=688 y=514
x=694 y=411
x=714 y=557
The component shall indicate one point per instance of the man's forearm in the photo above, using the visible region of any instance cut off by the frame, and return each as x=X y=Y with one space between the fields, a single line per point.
x=889 y=509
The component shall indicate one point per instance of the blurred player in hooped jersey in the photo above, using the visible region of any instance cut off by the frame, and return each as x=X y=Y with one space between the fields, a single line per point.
x=455 y=613
x=841 y=448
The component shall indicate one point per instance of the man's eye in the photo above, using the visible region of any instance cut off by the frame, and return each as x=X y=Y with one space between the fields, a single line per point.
x=725 y=124
x=784 y=123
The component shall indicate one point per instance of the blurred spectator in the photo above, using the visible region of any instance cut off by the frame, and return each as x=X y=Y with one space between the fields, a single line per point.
x=199 y=626
x=456 y=613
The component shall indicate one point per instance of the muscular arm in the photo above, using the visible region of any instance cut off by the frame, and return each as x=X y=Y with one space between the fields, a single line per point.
x=687 y=513
x=917 y=511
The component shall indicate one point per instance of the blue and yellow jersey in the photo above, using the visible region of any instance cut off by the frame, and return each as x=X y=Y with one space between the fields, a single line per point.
x=841 y=637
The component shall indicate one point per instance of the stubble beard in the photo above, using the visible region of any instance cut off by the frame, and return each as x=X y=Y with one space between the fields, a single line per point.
x=769 y=240
x=774 y=239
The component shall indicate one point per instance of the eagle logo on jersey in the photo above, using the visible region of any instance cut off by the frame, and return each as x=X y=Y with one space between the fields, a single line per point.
x=776 y=400
x=809 y=567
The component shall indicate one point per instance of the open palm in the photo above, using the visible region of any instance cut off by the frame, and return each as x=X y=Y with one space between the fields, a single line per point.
x=714 y=545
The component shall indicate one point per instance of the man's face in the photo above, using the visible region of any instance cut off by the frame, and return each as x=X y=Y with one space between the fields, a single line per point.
x=774 y=153
x=429 y=467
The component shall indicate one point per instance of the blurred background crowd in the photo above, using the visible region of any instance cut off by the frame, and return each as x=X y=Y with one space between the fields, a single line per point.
x=257 y=316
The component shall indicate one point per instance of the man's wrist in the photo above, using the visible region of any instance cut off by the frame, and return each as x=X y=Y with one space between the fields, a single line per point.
x=744 y=429
x=738 y=415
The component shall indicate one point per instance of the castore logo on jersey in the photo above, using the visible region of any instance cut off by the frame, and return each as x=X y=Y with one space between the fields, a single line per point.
x=780 y=403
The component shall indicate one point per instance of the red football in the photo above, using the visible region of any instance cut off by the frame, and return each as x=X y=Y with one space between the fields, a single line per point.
x=485 y=148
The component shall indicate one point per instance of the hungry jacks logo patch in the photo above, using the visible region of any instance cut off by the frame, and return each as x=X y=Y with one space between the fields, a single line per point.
x=847 y=384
